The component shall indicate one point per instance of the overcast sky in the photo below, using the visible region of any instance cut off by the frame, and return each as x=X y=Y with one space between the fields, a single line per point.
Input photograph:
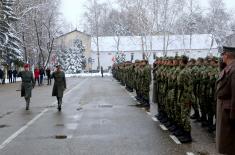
x=73 y=10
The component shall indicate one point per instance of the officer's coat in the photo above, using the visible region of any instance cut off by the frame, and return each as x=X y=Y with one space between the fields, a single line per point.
x=225 y=130
x=27 y=83
x=59 y=84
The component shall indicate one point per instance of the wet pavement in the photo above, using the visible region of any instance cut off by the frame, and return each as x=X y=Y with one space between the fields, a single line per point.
x=97 y=118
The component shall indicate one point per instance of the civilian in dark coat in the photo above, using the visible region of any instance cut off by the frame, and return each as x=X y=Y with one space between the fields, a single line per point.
x=102 y=71
x=48 y=72
x=1 y=76
x=225 y=120
x=10 y=75
x=42 y=74
x=14 y=75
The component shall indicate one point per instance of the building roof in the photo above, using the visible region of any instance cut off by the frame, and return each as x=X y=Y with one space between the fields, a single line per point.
x=134 y=43
x=72 y=32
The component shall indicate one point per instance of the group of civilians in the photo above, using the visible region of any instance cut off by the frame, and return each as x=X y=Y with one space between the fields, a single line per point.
x=39 y=74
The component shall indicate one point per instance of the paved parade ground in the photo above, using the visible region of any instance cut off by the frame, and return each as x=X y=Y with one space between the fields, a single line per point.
x=97 y=118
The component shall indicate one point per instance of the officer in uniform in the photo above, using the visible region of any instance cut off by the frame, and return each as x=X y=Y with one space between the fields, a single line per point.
x=225 y=92
x=59 y=85
x=27 y=85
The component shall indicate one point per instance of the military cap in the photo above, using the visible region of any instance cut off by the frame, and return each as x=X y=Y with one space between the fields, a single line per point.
x=229 y=44
x=137 y=61
x=228 y=49
x=200 y=59
x=192 y=60
x=171 y=58
x=146 y=61
x=183 y=57
x=207 y=58
x=215 y=59
x=176 y=57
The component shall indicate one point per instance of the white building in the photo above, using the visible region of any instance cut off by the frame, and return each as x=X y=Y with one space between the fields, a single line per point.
x=135 y=47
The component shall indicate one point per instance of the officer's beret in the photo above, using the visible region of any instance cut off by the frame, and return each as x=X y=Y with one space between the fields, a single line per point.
x=26 y=65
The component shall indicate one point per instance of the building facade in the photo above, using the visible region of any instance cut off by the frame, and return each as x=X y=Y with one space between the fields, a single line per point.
x=67 y=40
x=138 y=47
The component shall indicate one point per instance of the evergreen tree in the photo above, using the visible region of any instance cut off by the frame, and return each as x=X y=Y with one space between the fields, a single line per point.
x=9 y=43
x=73 y=59
x=120 y=57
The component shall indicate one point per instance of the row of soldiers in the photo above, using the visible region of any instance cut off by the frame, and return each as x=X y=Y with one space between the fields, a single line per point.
x=181 y=84
x=135 y=76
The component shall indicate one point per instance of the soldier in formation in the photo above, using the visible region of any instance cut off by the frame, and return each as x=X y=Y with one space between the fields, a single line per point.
x=182 y=86
x=135 y=76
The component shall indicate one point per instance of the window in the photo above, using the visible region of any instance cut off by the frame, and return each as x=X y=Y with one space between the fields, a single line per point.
x=132 y=56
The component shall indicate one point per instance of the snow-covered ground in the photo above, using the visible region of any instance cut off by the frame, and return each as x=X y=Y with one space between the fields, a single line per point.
x=7 y=80
x=75 y=75
x=87 y=75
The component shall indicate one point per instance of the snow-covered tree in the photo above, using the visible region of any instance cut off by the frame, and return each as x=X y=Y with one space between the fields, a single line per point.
x=119 y=57
x=72 y=59
x=9 y=43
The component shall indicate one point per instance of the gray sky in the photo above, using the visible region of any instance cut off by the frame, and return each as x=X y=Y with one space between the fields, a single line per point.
x=73 y=10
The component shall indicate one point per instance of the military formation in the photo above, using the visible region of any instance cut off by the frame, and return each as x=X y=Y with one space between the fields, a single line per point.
x=135 y=76
x=183 y=89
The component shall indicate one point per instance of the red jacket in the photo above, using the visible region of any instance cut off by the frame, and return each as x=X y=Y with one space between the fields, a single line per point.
x=36 y=73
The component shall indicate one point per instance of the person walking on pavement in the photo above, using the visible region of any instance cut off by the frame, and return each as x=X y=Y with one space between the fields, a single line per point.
x=36 y=75
x=59 y=85
x=1 y=75
x=48 y=72
x=14 y=75
x=10 y=75
x=102 y=71
x=42 y=74
x=225 y=92
x=27 y=84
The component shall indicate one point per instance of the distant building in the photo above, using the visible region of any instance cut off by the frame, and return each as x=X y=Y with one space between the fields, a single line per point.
x=66 y=41
x=137 y=47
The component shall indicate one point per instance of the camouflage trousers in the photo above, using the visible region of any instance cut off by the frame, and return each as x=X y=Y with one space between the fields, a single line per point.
x=185 y=116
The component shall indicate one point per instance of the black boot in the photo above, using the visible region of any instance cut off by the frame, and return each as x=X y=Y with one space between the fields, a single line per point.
x=179 y=132
x=27 y=103
x=173 y=128
x=185 y=138
x=204 y=123
x=164 y=120
x=195 y=115
x=59 y=103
